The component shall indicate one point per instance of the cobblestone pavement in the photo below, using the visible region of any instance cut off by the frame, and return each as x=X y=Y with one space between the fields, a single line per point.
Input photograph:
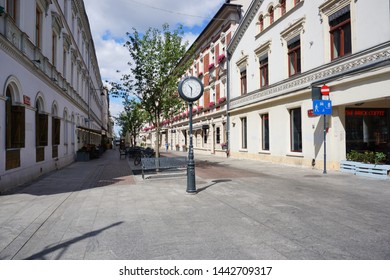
x=243 y=210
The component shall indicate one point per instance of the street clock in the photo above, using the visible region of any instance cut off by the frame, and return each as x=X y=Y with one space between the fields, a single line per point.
x=190 y=89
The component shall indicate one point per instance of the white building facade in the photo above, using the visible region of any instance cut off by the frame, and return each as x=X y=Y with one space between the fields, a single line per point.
x=51 y=101
x=210 y=66
x=285 y=48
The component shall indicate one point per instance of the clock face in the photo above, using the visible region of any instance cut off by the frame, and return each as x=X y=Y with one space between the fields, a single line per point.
x=191 y=89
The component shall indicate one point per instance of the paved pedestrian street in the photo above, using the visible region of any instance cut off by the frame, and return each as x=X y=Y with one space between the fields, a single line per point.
x=243 y=210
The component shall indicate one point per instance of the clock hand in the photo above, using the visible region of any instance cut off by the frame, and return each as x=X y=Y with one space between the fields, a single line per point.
x=191 y=89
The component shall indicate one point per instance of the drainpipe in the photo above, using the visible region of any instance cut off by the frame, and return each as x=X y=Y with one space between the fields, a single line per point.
x=228 y=103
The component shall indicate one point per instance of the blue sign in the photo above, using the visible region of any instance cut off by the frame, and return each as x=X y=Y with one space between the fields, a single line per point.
x=322 y=107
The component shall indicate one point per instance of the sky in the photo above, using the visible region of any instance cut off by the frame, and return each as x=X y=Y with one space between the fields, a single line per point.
x=110 y=20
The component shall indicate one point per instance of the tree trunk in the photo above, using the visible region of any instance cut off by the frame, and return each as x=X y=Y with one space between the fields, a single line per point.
x=157 y=147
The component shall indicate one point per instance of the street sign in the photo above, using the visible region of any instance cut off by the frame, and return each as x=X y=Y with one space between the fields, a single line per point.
x=322 y=107
x=325 y=90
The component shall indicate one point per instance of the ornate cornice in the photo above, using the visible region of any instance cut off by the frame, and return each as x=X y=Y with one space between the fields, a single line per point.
x=333 y=69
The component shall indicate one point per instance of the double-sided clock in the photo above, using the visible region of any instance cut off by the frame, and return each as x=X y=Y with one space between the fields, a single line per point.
x=190 y=89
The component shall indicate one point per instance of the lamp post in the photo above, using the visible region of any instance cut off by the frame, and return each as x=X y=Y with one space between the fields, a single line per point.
x=191 y=186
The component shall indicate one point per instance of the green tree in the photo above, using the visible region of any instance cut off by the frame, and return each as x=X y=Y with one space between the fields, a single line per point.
x=132 y=119
x=156 y=68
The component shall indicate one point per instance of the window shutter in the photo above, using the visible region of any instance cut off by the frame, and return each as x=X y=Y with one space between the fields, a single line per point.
x=56 y=124
x=43 y=129
x=18 y=126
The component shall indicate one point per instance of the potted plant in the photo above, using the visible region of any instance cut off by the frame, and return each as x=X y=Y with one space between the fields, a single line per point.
x=184 y=147
x=221 y=99
x=177 y=147
x=221 y=58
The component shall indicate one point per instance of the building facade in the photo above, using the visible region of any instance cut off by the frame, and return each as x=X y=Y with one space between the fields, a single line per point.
x=282 y=52
x=209 y=65
x=52 y=101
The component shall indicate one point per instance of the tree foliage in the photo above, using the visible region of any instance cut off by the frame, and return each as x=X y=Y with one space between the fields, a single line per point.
x=154 y=72
x=132 y=119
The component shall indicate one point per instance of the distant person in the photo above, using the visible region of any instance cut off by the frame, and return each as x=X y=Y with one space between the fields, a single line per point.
x=166 y=147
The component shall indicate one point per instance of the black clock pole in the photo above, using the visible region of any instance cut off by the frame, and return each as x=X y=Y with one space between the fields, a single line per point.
x=191 y=187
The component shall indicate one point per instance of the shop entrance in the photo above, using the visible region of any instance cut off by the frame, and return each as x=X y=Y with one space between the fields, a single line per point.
x=367 y=129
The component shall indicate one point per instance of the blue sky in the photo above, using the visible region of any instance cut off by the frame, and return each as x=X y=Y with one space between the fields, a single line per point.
x=110 y=20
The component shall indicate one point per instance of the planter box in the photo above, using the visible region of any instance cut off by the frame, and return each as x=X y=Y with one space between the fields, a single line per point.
x=82 y=156
x=379 y=171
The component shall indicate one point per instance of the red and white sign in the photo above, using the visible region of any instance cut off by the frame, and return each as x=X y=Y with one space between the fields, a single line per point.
x=26 y=100
x=325 y=90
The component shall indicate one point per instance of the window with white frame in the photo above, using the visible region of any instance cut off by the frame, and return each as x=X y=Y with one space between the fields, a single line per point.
x=296 y=129
x=340 y=33
x=265 y=132
x=244 y=133
x=292 y=36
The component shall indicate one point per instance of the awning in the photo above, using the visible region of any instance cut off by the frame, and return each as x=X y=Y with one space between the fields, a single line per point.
x=87 y=129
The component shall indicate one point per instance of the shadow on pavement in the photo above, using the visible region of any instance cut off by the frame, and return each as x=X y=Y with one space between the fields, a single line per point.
x=62 y=247
x=107 y=170
x=212 y=184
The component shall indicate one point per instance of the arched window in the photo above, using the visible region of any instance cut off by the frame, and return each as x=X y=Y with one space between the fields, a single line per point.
x=55 y=131
x=261 y=23
x=282 y=4
x=271 y=15
x=14 y=130
x=41 y=130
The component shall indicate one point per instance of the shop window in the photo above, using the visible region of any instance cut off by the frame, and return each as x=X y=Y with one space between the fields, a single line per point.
x=244 y=135
x=367 y=129
x=265 y=132
x=340 y=33
x=55 y=136
x=294 y=56
x=263 y=71
x=296 y=130
x=243 y=82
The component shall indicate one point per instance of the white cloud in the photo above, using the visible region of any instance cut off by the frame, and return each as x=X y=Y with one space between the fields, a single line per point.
x=120 y=16
x=110 y=20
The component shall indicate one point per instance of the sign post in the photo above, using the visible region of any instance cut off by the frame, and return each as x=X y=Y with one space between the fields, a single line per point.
x=323 y=107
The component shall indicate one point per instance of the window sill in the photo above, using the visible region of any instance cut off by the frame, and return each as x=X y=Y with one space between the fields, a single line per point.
x=265 y=152
x=295 y=154
x=243 y=150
